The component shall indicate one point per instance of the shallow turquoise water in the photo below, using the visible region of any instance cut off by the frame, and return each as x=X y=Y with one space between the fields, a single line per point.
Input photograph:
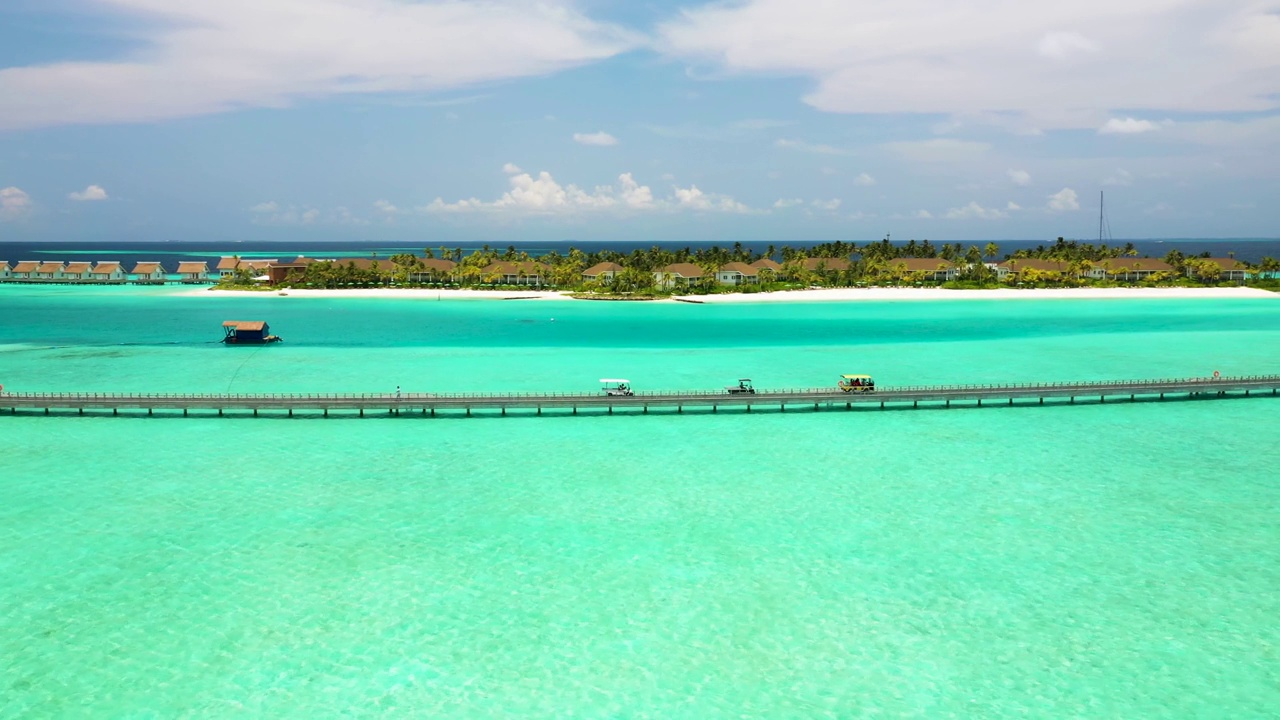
x=1093 y=561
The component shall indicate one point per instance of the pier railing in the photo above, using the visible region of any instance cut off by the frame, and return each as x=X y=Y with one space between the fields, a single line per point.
x=679 y=399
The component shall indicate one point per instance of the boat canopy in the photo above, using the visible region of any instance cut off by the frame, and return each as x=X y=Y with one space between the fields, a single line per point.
x=856 y=377
x=613 y=380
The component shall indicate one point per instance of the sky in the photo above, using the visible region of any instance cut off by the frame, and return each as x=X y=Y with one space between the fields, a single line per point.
x=749 y=120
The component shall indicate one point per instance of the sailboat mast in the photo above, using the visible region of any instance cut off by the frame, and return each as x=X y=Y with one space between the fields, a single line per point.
x=1102 y=200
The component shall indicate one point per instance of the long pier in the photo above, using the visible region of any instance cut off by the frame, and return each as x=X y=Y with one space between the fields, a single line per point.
x=453 y=404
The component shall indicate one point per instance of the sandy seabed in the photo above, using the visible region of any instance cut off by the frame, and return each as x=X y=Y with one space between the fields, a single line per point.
x=814 y=295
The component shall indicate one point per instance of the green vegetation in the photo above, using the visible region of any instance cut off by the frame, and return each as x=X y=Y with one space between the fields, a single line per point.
x=648 y=273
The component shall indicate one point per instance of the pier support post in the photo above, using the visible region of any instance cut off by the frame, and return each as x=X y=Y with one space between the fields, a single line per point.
x=81 y=411
x=255 y=412
x=610 y=409
x=575 y=409
x=46 y=411
x=881 y=404
x=1010 y=402
x=151 y=411
x=748 y=408
x=979 y=402
x=361 y=412
x=1041 y=401
x=539 y=409
x=184 y=412
x=948 y=403
x=504 y=411
x=646 y=409
x=290 y=412
x=848 y=406
x=680 y=409
x=433 y=412
x=219 y=412
x=468 y=411
x=1102 y=399
x=116 y=411
x=1073 y=400
x=1131 y=398
x=815 y=406
x=326 y=412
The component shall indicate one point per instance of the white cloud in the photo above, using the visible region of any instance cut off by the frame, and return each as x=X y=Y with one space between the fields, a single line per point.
x=603 y=139
x=205 y=56
x=1064 y=200
x=828 y=205
x=265 y=207
x=1121 y=178
x=1012 y=206
x=1021 y=178
x=310 y=215
x=694 y=199
x=383 y=206
x=1128 y=126
x=1065 y=65
x=939 y=150
x=974 y=210
x=1065 y=45
x=511 y=169
x=91 y=193
x=864 y=180
x=784 y=203
x=633 y=194
x=922 y=215
x=544 y=195
x=14 y=203
x=808 y=147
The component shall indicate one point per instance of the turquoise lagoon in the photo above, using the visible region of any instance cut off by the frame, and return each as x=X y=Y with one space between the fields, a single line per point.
x=1118 y=560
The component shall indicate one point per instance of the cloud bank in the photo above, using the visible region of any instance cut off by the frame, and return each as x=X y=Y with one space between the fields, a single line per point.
x=1065 y=64
x=544 y=195
x=197 y=57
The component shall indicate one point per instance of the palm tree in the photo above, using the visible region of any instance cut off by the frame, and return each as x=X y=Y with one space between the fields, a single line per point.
x=992 y=250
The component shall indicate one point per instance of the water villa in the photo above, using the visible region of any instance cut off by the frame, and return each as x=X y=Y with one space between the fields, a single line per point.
x=49 y=271
x=149 y=273
x=4 y=270
x=194 y=272
x=109 y=272
x=78 y=272
x=247 y=332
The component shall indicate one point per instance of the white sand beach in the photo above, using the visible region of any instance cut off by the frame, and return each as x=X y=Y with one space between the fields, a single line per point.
x=814 y=295
x=888 y=294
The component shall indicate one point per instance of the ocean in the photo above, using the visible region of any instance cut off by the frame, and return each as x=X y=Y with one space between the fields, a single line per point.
x=1118 y=560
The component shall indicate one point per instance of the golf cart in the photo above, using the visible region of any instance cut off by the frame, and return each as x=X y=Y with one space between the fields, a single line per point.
x=743 y=387
x=615 y=387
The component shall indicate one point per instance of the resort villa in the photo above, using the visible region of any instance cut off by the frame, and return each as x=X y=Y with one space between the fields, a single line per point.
x=1231 y=269
x=227 y=265
x=820 y=265
x=24 y=270
x=49 y=271
x=109 y=272
x=194 y=272
x=77 y=272
x=148 y=273
x=603 y=272
x=933 y=269
x=677 y=275
x=517 y=273
x=4 y=270
x=433 y=270
x=736 y=273
x=1131 y=269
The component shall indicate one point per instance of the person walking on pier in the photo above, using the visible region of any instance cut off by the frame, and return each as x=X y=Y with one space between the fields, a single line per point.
x=397 y=392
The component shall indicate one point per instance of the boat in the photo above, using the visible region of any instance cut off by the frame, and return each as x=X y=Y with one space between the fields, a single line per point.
x=248 y=332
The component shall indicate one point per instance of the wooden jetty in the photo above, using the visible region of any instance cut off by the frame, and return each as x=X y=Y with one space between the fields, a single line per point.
x=431 y=404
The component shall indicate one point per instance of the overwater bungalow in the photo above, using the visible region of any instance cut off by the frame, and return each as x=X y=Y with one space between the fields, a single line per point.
x=5 y=270
x=247 y=332
x=602 y=272
x=24 y=270
x=149 y=273
x=77 y=272
x=737 y=273
x=517 y=273
x=49 y=271
x=194 y=271
x=677 y=275
x=109 y=272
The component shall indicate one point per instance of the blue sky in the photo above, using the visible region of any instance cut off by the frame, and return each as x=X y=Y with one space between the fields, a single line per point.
x=756 y=120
